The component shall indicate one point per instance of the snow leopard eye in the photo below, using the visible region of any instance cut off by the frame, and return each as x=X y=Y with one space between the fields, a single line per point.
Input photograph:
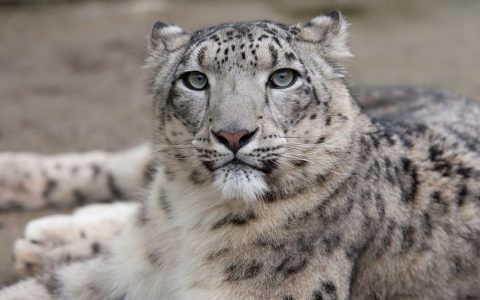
x=195 y=80
x=282 y=78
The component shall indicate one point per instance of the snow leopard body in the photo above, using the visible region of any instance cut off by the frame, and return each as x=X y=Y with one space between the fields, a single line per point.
x=324 y=198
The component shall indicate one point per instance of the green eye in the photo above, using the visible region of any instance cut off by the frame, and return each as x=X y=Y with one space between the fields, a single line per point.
x=195 y=80
x=282 y=78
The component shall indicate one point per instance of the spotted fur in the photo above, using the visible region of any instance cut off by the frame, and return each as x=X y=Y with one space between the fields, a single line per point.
x=325 y=201
x=30 y=181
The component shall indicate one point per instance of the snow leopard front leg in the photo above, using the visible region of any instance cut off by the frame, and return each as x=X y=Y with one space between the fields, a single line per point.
x=127 y=269
x=56 y=240
x=33 y=181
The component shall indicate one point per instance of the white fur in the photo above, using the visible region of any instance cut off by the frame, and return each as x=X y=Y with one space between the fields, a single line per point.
x=234 y=185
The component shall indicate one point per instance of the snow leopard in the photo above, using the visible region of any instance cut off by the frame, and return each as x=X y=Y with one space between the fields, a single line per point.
x=267 y=177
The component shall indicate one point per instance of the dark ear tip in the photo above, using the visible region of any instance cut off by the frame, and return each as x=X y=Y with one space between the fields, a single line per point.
x=334 y=14
x=159 y=25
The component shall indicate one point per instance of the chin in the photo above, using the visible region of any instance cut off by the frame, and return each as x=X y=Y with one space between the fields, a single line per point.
x=240 y=182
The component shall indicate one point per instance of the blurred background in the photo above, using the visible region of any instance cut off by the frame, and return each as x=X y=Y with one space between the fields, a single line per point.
x=71 y=74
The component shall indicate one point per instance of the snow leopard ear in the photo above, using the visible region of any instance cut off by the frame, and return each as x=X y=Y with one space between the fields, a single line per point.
x=329 y=31
x=167 y=37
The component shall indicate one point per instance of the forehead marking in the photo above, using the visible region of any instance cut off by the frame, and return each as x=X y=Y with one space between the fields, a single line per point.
x=274 y=54
x=232 y=37
x=201 y=55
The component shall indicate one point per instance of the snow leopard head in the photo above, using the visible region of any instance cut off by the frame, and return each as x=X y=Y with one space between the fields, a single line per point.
x=257 y=110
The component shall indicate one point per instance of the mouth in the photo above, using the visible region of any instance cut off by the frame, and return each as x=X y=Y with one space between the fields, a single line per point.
x=267 y=168
x=235 y=162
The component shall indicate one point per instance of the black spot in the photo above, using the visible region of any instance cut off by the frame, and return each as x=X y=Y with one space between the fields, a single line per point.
x=331 y=242
x=180 y=156
x=407 y=232
x=434 y=152
x=331 y=214
x=11 y=205
x=95 y=248
x=218 y=253
x=330 y=288
x=164 y=204
x=313 y=116
x=79 y=197
x=299 y=163
x=440 y=203
x=29 y=266
x=461 y=194
x=201 y=55
x=50 y=186
x=426 y=224
x=169 y=173
x=277 y=41
x=196 y=177
x=328 y=121
x=115 y=191
x=465 y=172
x=96 y=170
x=408 y=182
x=389 y=170
x=386 y=240
x=149 y=172
x=235 y=219
x=52 y=284
x=315 y=96
x=243 y=270
x=288 y=297
x=154 y=259
x=353 y=251
x=291 y=265
x=289 y=56
x=209 y=165
x=463 y=265
x=317 y=295
x=263 y=36
x=379 y=203
x=269 y=166
x=274 y=54
x=320 y=140
x=440 y=164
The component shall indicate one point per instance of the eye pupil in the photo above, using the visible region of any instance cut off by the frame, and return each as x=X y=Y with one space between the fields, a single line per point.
x=195 y=80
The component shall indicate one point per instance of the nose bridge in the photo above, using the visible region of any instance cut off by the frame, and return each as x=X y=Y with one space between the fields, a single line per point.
x=233 y=112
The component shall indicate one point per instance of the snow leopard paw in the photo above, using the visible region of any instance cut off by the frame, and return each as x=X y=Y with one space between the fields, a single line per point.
x=60 y=239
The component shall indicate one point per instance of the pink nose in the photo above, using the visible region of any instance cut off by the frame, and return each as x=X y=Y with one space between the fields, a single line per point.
x=235 y=140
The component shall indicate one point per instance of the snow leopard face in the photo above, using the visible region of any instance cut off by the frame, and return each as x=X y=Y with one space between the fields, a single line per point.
x=250 y=108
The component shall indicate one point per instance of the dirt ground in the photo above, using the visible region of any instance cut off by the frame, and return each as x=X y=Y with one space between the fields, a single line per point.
x=71 y=74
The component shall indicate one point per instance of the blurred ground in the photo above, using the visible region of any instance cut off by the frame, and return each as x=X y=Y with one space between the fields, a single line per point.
x=71 y=73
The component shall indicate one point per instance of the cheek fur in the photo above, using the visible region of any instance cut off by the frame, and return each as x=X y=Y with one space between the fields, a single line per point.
x=190 y=107
x=293 y=104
